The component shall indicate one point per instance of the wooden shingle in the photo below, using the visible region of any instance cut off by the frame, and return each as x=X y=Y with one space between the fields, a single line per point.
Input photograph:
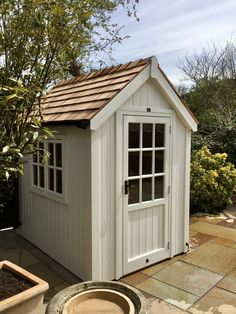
x=84 y=96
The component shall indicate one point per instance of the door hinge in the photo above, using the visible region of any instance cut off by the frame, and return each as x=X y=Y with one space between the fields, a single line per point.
x=168 y=189
x=168 y=245
x=170 y=129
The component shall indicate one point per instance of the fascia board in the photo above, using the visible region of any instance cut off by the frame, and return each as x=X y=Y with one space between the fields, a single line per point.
x=120 y=98
x=172 y=97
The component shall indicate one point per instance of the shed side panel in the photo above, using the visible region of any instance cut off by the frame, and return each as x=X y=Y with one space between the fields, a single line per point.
x=103 y=200
x=63 y=230
x=181 y=204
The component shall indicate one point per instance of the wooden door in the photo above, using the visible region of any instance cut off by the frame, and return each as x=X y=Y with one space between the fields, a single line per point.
x=146 y=165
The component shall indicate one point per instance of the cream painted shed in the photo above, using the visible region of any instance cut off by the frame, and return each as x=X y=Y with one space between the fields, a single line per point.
x=114 y=195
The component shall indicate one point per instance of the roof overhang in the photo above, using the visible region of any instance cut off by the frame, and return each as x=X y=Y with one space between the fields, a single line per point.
x=172 y=96
x=151 y=71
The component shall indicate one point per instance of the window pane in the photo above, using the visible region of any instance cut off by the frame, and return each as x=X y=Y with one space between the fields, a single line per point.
x=51 y=179
x=133 y=191
x=134 y=163
x=159 y=161
x=146 y=189
x=58 y=155
x=35 y=157
x=35 y=175
x=147 y=135
x=41 y=177
x=159 y=135
x=51 y=152
x=59 y=181
x=41 y=152
x=134 y=130
x=147 y=163
x=159 y=187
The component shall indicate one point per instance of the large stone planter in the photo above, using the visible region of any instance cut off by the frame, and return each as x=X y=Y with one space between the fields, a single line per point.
x=29 y=301
x=98 y=297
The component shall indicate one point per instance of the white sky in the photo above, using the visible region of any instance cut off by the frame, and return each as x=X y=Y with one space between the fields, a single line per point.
x=171 y=29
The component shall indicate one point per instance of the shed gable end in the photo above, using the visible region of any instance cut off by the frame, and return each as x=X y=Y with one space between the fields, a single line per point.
x=147 y=96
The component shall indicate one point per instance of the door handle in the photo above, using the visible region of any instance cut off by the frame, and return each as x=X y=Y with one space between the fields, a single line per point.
x=126 y=187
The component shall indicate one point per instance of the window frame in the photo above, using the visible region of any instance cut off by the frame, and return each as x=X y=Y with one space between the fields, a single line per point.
x=46 y=191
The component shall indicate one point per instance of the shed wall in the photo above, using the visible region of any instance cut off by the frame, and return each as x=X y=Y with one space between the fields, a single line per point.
x=63 y=230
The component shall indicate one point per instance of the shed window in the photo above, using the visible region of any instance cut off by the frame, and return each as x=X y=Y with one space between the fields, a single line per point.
x=48 y=172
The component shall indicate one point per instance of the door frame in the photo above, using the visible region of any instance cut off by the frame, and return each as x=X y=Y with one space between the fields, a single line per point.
x=162 y=113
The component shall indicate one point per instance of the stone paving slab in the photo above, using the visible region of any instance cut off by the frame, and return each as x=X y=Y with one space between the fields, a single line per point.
x=214 y=257
x=215 y=301
x=189 y=278
x=170 y=294
x=214 y=230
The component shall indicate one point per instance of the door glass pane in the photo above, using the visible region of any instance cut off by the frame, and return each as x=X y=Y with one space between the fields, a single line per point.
x=41 y=177
x=59 y=181
x=159 y=161
x=146 y=189
x=159 y=187
x=51 y=179
x=134 y=163
x=147 y=162
x=133 y=191
x=134 y=131
x=58 y=155
x=159 y=135
x=147 y=135
x=51 y=152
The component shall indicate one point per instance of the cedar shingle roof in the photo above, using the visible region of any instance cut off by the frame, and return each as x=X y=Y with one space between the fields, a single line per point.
x=81 y=98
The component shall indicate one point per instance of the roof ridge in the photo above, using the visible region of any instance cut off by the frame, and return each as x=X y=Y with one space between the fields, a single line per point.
x=108 y=70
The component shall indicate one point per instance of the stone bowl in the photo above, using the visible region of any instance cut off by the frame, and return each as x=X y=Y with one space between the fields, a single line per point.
x=98 y=297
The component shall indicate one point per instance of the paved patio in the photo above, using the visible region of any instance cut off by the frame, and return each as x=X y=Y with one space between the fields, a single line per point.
x=202 y=281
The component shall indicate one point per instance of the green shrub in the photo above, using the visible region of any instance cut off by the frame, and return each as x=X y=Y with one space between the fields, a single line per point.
x=213 y=181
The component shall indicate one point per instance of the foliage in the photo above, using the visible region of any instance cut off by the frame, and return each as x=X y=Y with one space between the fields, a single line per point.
x=212 y=97
x=38 y=41
x=8 y=203
x=20 y=123
x=213 y=181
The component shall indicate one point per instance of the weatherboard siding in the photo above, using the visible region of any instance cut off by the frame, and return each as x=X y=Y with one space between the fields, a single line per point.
x=63 y=230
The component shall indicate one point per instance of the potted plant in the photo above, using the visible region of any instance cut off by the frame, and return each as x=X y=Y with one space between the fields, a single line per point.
x=20 y=291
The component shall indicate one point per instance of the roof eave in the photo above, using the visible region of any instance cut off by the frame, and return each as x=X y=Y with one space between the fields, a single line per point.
x=81 y=124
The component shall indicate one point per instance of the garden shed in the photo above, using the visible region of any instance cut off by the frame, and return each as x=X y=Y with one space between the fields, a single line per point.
x=113 y=197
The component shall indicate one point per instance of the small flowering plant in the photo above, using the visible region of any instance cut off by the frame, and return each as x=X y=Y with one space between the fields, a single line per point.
x=213 y=181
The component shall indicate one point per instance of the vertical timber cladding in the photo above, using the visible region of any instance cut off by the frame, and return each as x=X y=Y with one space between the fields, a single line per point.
x=146 y=194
